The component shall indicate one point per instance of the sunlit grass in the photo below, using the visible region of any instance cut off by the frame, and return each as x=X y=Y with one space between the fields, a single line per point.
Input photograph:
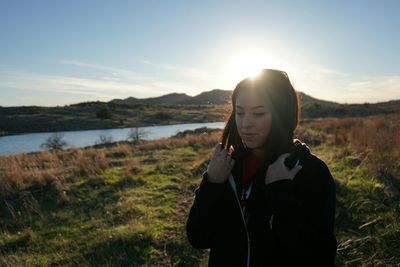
x=128 y=204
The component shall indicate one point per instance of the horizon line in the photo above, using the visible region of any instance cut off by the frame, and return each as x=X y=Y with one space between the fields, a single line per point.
x=90 y=101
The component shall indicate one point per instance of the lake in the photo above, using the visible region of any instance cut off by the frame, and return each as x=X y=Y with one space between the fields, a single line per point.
x=23 y=143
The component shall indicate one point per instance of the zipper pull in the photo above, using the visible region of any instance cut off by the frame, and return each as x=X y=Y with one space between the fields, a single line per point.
x=270 y=221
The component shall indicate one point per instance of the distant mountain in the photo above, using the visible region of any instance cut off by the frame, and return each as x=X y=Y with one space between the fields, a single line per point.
x=215 y=97
x=310 y=107
x=173 y=98
x=306 y=100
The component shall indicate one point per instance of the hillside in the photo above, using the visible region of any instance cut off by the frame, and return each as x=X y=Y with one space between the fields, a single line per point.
x=170 y=99
x=209 y=106
x=316 y=108
x=310 y=107
x=214 y=97
x=100 y=115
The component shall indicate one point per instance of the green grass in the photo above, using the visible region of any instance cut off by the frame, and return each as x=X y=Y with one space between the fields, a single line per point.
x=111 y=219
x=125 y=217
x=368 y=213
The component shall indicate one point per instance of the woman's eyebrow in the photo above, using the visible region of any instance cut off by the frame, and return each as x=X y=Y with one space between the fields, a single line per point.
x=240 y=107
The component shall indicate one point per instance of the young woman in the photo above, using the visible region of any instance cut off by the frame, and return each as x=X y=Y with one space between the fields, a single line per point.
x=265 y=199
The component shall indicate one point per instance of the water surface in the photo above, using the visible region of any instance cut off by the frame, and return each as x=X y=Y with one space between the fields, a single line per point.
x=23 y=143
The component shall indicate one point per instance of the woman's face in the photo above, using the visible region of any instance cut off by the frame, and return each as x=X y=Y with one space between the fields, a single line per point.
x=253 y=119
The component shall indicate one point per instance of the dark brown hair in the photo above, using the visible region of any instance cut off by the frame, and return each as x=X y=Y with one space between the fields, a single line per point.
x=281 y=99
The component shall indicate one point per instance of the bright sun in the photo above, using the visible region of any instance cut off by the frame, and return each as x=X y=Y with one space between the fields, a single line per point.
x=248 y=64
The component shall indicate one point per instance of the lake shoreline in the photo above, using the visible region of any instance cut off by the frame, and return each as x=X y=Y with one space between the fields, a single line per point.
x=32 y=142
x=2 y=134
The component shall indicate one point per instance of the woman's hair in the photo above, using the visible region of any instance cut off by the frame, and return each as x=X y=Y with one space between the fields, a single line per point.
x=282 y=101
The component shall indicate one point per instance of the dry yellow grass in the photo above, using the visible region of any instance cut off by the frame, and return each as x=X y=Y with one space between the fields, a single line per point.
x=21 y=171
x=377 y=137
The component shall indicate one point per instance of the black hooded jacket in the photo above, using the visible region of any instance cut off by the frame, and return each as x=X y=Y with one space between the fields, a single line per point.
x=288 y=222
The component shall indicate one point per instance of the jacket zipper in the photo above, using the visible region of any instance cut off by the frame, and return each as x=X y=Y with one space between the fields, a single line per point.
x=233 y=185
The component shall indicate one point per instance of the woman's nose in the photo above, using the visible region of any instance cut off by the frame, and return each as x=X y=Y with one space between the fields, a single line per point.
x=247 y=122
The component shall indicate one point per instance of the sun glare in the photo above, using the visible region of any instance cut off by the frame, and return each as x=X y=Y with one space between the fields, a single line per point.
x=248 y=64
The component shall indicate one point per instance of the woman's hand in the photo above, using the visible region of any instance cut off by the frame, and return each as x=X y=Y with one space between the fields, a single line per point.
x=220 y=166
x=278 y=170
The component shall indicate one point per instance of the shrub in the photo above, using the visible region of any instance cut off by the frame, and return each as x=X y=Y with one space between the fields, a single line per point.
x=104 y=140
x=136 y=134
x=54 y=142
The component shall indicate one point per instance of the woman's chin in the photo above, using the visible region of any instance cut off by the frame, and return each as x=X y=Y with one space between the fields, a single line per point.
x=251 y=145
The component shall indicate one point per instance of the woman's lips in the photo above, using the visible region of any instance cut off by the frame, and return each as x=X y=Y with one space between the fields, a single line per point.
x=248 y=135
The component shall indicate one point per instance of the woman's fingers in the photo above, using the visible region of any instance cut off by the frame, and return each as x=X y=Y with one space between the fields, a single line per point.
x=221 y=155
x=217 y=148
x=220 y=151
x=220 y=165
x=279 y=171
x=282 y=157
x=295 y=170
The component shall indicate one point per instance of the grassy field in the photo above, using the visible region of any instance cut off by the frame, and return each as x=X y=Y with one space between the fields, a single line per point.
x=127 y=205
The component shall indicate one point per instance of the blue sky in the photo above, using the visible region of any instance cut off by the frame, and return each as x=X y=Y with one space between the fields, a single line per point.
x=63 y=52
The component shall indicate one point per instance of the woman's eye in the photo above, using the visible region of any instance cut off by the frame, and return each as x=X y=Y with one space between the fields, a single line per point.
x=255 y=114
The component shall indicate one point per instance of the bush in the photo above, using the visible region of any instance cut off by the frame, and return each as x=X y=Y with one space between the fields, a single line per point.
x=104 y=140
x=136 y=134
x=54 y=142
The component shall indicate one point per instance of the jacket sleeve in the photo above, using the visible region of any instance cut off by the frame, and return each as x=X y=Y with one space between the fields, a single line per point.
x=304 y=225
x=203 y=218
